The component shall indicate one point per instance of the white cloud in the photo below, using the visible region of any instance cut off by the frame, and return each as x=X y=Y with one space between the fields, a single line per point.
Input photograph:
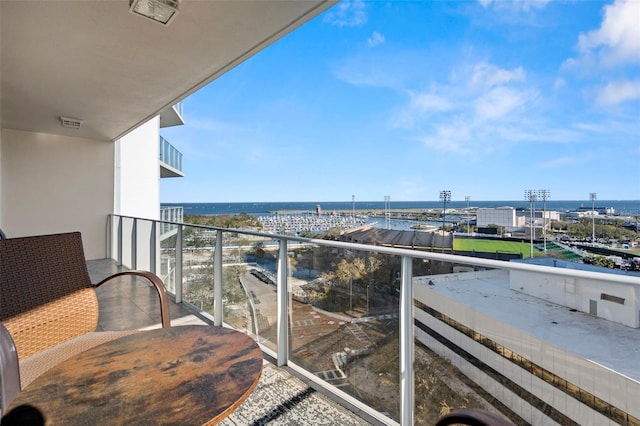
x=617 y=92
x=452 y=138
x=495 y=109
x=502 y=102
x=559 y=162
x=516 y=5
x=617 y=41
x=429 y=102
x=347 y=14
x=375 y=39
x=559 y=83
x=487 y=75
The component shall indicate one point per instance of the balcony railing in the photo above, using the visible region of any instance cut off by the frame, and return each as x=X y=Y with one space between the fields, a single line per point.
x=171 y=158
x=405 y=335
x=170 y=216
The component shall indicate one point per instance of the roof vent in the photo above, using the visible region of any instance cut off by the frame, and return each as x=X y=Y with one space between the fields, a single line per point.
x=70 y=123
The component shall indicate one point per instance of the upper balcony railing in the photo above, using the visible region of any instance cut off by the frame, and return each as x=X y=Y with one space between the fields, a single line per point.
x=406 y=335
x=170 y=160
x=170 y=216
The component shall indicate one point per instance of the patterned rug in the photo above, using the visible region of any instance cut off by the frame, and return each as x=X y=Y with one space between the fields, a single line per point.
x=282 y=399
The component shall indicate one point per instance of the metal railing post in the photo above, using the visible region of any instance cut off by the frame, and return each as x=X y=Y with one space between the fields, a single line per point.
x=119 y=255
x=217 y=280
x=178 y=268
x=406 y=344
x=283 y=306
x=153 y=250
x=134 y=244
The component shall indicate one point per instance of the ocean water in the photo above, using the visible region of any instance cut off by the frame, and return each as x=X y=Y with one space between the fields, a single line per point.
x=622 y=207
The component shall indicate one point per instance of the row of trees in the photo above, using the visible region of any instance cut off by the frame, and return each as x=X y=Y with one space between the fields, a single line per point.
x=604 y=228
x=242 y=220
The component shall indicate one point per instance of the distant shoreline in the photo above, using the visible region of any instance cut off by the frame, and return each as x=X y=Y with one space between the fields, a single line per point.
x=623 y=208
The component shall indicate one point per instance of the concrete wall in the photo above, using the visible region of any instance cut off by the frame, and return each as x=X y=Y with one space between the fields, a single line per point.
x=52 y=184
x=137 y=193
x=137 y=175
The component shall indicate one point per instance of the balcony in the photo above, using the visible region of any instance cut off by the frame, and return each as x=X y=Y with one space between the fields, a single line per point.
x=172 y=116
x=170 y=216
x=170 y=160
x=400 y=336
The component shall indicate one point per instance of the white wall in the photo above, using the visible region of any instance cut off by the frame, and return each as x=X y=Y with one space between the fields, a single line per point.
x=137 y=192
x=137 y=175
x=54 y=184
x=503 y=216
x=1 y=174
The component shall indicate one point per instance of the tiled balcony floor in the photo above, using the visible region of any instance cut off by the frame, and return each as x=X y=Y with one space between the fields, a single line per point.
x=281 y=397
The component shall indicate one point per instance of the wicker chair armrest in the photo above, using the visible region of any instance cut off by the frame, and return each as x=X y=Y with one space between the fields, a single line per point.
x=159 y=286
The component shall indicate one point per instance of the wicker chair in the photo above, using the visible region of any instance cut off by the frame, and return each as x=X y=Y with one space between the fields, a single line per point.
x=48 y=303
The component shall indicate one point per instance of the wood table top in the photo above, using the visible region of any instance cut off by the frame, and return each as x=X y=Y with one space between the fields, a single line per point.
x=186 y=375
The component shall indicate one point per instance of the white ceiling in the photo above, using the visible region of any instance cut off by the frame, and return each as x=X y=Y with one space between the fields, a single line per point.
x=93 y=60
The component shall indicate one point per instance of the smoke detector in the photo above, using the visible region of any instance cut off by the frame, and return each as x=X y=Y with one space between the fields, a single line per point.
x=71 y=123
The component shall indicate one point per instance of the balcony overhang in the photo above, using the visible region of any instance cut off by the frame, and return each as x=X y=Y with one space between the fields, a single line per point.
x=172 y=116
x=166 y=171
x=99 y=63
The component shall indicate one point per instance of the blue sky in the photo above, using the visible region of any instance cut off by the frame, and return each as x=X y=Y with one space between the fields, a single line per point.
x=405 y=99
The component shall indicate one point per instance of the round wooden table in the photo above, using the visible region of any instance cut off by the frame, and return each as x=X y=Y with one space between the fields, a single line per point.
x=186 y=375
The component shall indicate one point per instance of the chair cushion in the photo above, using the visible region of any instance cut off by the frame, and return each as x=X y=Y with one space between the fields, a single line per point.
x=33 y=366
x=53 y=323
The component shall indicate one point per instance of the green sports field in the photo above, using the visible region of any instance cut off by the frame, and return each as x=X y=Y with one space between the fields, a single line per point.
x=492 y=246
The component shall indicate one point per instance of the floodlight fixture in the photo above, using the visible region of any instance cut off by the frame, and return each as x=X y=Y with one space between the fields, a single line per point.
x=161 y=11
x=445 y=197
x=592 y=197
x=532 y=196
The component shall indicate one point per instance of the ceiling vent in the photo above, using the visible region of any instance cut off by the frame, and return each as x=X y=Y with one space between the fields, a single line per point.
x=71 y=123
x=161 y=11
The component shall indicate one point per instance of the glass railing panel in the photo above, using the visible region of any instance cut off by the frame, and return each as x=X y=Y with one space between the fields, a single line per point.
x=256 y=258
x=170 y=214
x=440 y=385
x=127 y=238
x=170 y=154
x=167 y=262
x=179 y=108
x=249 y=302
x=197 y=269
x=344 y=321
x=144 y=253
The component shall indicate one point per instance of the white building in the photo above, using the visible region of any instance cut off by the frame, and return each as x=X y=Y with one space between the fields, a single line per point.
x=543 y=356
x=502 y=216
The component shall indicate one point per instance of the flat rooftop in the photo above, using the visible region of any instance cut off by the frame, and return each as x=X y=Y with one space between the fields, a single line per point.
x=610 y=344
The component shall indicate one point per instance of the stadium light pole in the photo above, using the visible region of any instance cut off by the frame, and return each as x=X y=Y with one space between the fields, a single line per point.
x=445 y=196
x=531 y=196
x=353 y=209
x=592 y=197
x=387 y=212
x=467 y=199
x=544 y=194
